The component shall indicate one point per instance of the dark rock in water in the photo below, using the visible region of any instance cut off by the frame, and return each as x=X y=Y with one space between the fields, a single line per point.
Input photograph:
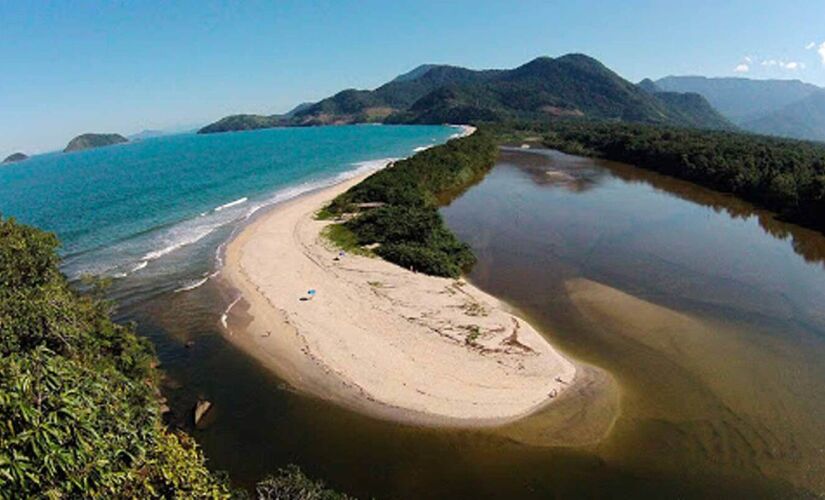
x=201 y=408
x=89 y=141
x=15 y=157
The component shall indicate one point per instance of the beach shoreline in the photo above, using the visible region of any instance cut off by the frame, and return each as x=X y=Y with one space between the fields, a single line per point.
x=379 y=339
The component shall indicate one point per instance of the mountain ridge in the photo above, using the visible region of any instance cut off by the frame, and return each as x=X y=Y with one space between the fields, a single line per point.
x=573 y=85
x=784 y=108
x=93 y=140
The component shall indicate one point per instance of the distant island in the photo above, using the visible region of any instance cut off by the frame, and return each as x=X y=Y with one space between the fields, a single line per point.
x=89 y=141
x=574 y=85
x=15 y=157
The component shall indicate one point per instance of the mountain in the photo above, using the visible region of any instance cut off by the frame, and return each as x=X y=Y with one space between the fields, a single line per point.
x=741 y=99
x=415 y=73
x=691 y=108
x=88 y=141
x=253 y=122
x=574 y=85
x=787 y=108
x=15 y=157
x=146 y=134
x=298 y=108
x=803 y=119
x=242 y=122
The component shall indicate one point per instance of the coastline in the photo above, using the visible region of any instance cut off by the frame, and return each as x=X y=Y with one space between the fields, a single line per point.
x=356 y=343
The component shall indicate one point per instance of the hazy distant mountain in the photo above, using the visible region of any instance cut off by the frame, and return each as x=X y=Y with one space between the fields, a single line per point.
x=574 y=85
x=789 y=108
x=89 y=141
x=147 y=134
x=15 y=157
x=803 y=119
x=692 y=108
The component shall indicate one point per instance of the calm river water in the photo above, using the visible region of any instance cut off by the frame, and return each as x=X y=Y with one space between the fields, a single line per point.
x=709 y=314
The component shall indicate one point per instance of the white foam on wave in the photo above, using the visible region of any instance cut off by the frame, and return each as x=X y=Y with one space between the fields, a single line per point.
x=463 y=131
x=156 y=254
x=225 y=315
x=193 y=230
x=232 y=204
x=196 y=283
x=286 y=194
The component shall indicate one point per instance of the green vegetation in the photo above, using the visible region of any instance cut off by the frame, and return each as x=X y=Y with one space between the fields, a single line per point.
x=291 y=484
x=79 y=410
x=89 y=141
x=343 y=237
x=403 y=218
x=79 y=400
x=545 y=88
x=242 y=122
x=786 y=176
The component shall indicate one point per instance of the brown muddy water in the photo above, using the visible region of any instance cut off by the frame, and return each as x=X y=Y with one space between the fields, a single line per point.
x=709 y=314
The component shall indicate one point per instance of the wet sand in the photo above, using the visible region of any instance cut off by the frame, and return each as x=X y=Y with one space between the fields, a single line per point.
x=381 y=339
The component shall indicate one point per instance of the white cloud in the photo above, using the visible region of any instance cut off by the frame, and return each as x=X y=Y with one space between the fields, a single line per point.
x=789 y=65
x=748 y=59
x=821 y=51
x=810 y=46
x=742 y=68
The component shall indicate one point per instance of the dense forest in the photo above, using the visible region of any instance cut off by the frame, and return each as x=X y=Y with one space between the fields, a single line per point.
x=80 y=410
x=403 y=200
x=544 y=88
x=786 y=176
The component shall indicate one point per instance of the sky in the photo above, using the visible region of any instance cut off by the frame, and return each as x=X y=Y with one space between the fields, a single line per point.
x=69 y=67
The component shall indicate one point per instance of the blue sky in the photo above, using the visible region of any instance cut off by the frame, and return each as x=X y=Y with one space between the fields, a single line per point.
x=73 y=67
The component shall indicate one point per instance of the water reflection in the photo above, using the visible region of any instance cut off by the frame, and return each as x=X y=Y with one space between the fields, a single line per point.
x=578 y=174
x=707 y=318
x=697 y=302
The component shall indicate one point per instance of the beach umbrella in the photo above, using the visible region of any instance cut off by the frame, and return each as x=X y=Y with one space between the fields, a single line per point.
x=311 y=292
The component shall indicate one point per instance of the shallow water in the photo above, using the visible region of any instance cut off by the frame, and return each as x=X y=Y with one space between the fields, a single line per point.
x=706 y=312
x=709 y=315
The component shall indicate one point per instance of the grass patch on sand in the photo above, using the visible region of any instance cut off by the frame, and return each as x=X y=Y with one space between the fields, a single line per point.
x=342 y=237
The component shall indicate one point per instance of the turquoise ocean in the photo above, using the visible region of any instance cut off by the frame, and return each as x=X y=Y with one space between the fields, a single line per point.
x=153 y=214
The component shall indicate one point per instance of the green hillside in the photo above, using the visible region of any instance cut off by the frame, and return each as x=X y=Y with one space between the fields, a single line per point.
x=89 y=141
x=574 y=85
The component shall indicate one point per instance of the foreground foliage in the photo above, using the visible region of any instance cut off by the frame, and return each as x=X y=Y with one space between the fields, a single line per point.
x=79 y=412
x=406 y=224
x=291 y=484
x=783 y=175
x=79 y=408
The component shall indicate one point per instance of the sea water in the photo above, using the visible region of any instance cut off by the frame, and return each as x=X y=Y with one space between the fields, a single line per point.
x=157 y=210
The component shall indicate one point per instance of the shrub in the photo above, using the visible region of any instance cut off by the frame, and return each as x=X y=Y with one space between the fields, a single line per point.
x=408 y=227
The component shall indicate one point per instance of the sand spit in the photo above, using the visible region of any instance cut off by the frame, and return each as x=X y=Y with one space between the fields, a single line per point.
x=381 y=339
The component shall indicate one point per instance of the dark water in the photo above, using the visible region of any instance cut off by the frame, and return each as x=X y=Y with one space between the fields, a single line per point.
x=710 y=315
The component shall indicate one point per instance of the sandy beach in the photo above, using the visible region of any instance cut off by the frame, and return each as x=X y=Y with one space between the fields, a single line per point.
x=378 y=338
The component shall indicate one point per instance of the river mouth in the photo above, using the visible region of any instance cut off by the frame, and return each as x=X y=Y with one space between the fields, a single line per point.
x=708 y=312
x=710 y=324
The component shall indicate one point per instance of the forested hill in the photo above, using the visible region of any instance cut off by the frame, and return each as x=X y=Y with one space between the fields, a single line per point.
x=574 y=85
x=89 y=141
